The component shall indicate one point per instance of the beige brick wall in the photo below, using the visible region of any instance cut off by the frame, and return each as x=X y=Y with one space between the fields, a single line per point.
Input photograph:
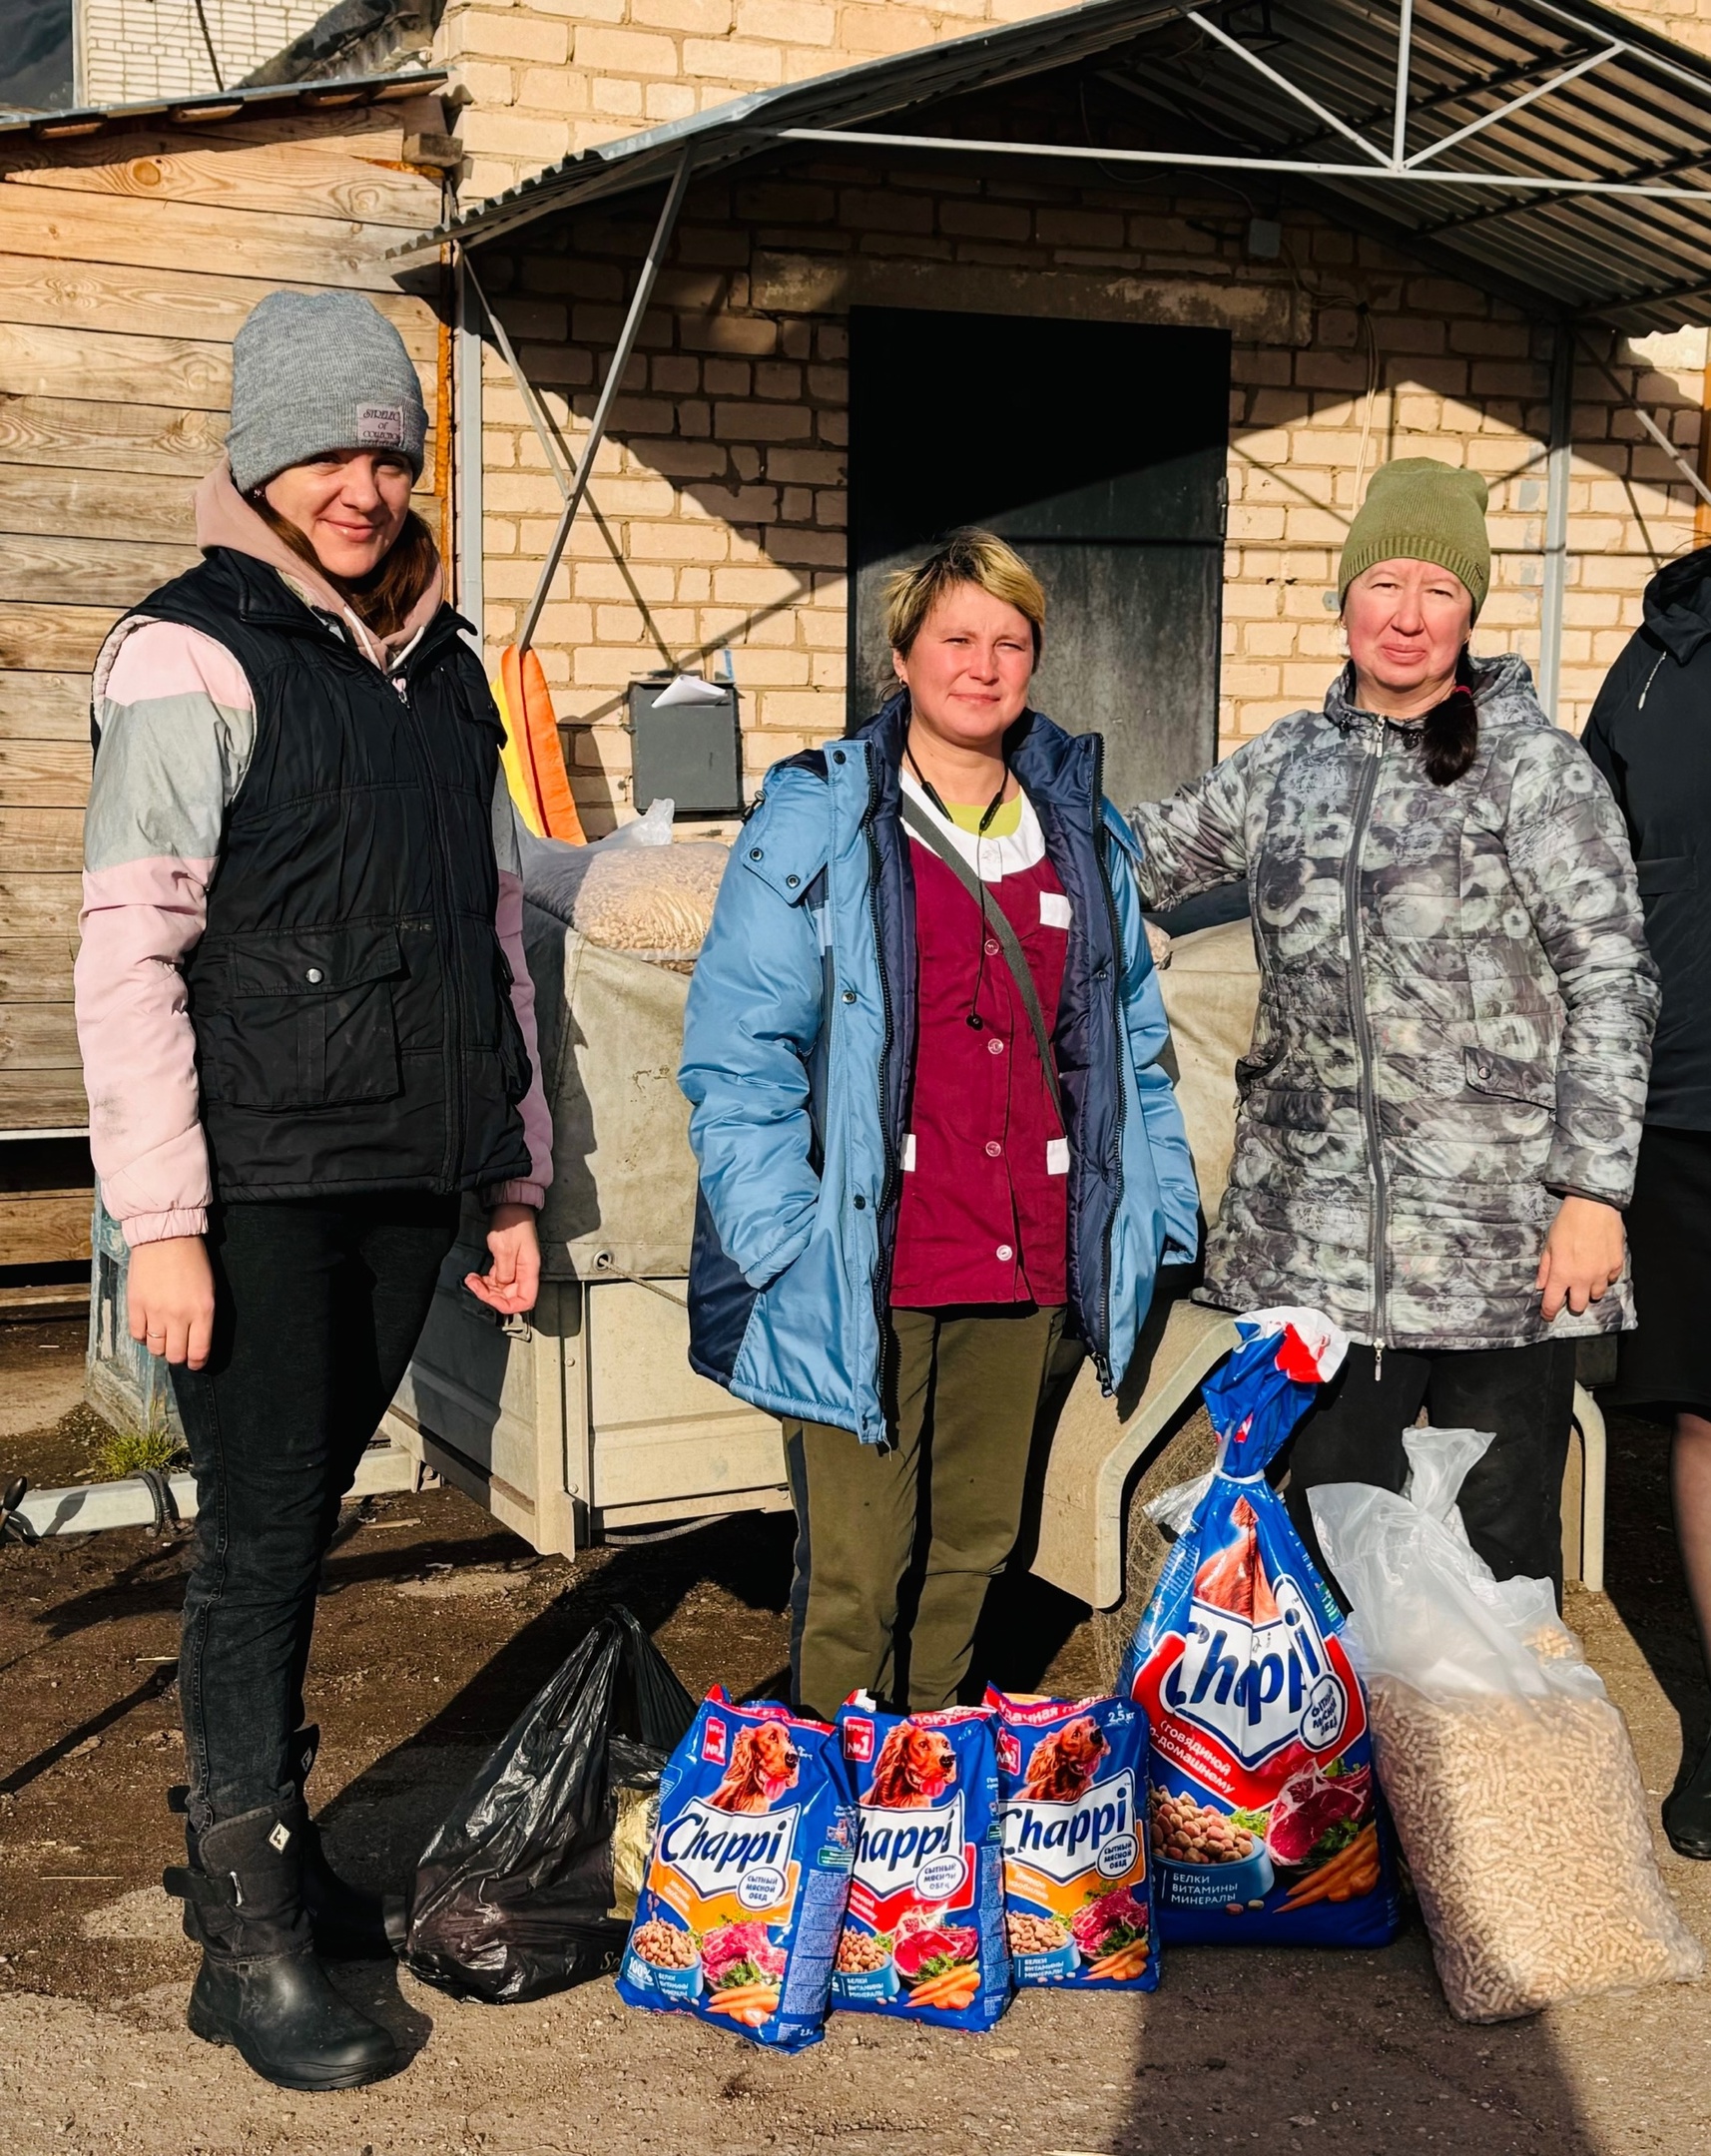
x=132 y=50
x=718 y=497
x=1687 y=21
x=549 y=77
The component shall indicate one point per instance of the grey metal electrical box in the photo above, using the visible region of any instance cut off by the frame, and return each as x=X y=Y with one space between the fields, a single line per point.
x=686 y=752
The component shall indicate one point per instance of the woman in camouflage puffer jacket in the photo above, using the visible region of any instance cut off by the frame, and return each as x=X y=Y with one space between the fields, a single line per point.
x=1442 y=1106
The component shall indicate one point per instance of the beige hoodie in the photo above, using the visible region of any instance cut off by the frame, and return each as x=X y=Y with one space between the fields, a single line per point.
x=225 y=519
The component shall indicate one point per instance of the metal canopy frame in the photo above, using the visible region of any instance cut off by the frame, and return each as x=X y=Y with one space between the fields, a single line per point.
x=1559 y=156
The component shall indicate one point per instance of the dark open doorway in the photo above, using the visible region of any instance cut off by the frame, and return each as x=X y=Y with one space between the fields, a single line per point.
x=1097 y=449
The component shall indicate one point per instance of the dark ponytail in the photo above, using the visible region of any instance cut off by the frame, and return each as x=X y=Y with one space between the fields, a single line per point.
x=1450 y=731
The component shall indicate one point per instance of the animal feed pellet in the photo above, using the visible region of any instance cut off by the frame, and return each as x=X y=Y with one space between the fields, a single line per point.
x=1526 y=1829
x=653 y=901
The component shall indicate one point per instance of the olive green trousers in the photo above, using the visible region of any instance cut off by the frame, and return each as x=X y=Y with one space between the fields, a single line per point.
x=944 y=1497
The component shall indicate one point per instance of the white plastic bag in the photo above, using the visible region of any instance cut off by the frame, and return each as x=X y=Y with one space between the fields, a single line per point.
x=1506 y=1766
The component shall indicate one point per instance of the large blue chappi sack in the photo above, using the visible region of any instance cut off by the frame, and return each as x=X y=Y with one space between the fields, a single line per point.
x=1266 y=1820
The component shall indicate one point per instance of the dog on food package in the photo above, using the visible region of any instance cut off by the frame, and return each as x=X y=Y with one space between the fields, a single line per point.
x=923 y=1936
x=739 y=1916
x=1072 y=1785
x=1265 y=1820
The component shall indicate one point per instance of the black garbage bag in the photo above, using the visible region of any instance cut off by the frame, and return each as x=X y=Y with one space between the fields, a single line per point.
x=531 y=1882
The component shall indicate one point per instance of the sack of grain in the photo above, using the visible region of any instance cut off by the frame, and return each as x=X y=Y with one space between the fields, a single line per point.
x=1506 y=1766
x=654 y=903
x=634 y=892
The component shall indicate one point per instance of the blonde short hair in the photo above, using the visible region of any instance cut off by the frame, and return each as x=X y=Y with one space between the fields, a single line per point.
x=965 y=557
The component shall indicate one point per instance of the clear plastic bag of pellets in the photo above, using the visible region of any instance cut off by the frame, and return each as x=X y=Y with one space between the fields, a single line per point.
x=633 y=892
x=1506 y=1766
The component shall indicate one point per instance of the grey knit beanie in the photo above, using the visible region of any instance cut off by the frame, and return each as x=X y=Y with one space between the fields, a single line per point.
x=314 y=371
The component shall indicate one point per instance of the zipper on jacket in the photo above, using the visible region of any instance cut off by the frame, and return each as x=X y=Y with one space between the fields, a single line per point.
x=451 y=1171
x=1363 y=1033
x=1101 y=842
x=889 y=1184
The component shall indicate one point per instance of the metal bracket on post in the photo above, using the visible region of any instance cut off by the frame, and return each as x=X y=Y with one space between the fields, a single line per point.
x=1559 y=456
x=608 y=394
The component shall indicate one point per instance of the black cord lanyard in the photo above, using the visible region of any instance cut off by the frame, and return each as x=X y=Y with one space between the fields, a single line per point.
x=974 y=1021
x=932 y=793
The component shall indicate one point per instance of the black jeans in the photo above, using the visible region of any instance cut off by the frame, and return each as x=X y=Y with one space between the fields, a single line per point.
x=1511 y=1502
x=318 y=1311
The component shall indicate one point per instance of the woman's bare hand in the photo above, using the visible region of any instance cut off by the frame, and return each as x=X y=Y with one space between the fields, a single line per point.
x=171 y=1299
x=512 y=1282
x=1582 y=1256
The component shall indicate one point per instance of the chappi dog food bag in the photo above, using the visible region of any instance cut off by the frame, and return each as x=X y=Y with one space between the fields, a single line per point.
x=1265 y=1818
x=740 y=1916
x=1073 y=1789
x=924 y=1932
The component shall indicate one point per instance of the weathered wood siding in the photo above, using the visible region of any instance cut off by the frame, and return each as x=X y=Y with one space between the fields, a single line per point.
x=126 y=264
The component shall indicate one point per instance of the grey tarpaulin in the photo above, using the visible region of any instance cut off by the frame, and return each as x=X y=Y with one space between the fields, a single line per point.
x=1211 y=988
x=611 y=1032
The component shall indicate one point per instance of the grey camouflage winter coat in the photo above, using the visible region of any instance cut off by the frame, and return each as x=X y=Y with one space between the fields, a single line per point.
x=1455 y=1019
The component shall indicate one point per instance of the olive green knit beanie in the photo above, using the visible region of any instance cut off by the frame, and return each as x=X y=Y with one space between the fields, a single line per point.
x=1418 y=509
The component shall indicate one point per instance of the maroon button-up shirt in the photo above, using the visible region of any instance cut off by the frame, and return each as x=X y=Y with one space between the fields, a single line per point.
x=983 y=1216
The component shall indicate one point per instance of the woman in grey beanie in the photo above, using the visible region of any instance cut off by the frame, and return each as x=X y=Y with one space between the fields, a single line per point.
x=308 y=1031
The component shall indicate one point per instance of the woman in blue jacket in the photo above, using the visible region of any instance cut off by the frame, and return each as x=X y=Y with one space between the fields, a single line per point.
x=922 y=1055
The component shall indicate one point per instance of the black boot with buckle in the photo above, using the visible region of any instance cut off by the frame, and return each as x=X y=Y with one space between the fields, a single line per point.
x=349 y=1923
x=262 y=1987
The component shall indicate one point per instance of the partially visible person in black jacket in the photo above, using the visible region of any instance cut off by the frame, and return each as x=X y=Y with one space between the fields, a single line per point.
x=306 y=1031
x=1650 y=734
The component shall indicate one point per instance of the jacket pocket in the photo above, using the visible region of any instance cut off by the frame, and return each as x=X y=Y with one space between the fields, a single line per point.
x=1297 y=1108
x=1667 y=872
x=301 y=1018
x=1515 y=1078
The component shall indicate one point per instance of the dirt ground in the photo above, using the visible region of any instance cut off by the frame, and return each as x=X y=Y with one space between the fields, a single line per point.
x=434 y=1631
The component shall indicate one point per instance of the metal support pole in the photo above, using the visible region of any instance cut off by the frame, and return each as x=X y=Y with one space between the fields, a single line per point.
x=525 y=387
x=1405 y=57
x=1559 y=456
x=609 y=394
x=467 y=444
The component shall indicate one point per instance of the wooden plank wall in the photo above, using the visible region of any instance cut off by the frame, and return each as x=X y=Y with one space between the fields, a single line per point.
x=126 y=264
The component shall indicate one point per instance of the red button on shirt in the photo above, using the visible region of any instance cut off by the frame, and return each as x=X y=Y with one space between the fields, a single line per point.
x=982 y=1217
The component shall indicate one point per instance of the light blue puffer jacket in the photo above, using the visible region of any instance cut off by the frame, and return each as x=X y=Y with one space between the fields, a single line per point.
x=798 y=1052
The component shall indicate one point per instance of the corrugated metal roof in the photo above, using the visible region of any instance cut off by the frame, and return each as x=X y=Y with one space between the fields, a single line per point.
x=875 y=90
x=1534 y=106
x=266 y=102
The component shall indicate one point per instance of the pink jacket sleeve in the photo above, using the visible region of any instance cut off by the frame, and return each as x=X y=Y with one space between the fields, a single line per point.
x=177 y=723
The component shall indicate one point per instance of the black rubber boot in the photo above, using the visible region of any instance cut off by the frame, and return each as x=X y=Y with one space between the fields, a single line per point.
x=260 y=1987
x=1687 y=1814
x=351 y=1923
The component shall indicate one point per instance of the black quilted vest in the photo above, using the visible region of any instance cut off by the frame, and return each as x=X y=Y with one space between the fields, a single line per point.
x=350 y=1000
